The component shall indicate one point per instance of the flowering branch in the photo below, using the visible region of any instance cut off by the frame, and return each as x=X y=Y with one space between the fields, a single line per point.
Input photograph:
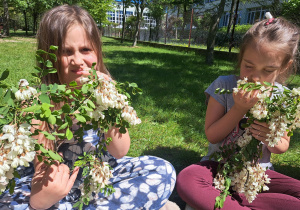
x=239 y=166
x=97 y=103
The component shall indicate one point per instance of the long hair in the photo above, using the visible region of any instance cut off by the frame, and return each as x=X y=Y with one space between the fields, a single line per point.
x=280 y=34
x=52 y=31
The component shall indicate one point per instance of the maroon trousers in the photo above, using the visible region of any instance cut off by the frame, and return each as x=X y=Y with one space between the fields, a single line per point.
x=195 y=186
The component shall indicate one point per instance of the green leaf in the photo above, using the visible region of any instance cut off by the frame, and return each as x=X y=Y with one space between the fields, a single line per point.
x=49 y=64
x=63 y=126
x=69 y=134
x=53 y=47
x=85 y=88
x=55 y=156
x=73 y=84
x=44 y=98
x=40 y=52
x=31 y=108
x=52 y=70
x=53 y=56
x=44 y=88
x=4 y=75
x=62 y=88
x=52 y=119
x=89 y=102
x=66 y=108
x=80 y=118
x=48 y=135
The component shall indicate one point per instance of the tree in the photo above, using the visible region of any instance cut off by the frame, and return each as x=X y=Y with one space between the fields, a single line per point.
x=98 y=9
x=213 y=32
x=139 y=6
x=5 y=19
x=290 y=10
x=157 y=10
x=126 y=4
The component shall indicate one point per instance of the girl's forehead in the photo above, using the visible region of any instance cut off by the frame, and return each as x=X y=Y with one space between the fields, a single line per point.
x=263 y=54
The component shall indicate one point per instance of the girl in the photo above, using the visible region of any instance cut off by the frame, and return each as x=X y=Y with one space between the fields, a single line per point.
x=268 y=53
x=140 y=183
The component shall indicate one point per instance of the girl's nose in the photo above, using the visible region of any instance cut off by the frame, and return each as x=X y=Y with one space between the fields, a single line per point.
x=255 y=77
x=77 y=59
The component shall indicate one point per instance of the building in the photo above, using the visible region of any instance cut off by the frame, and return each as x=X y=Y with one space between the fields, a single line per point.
x=248 y=11
x=116 y=16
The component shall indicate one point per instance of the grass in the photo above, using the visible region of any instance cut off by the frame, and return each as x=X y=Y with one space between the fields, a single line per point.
x=172 y=107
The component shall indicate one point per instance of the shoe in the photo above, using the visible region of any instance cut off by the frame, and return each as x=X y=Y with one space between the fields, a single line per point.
x=170 y=206
x=187 y=207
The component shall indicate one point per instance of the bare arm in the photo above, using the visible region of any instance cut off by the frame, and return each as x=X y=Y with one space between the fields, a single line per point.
x=219 y=124
x=120 y=143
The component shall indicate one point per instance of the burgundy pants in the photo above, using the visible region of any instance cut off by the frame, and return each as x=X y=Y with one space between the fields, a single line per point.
x=195 y=186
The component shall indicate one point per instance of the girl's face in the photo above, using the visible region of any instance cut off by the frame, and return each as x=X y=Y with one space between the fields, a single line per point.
x=77 y=55
x=261 y=64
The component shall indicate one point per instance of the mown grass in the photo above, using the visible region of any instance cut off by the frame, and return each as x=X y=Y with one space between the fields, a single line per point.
x=172 y=106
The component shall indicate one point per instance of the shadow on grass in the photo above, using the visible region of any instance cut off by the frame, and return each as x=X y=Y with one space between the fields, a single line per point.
x=288 y=170
x=179 y=158
x=175 y=82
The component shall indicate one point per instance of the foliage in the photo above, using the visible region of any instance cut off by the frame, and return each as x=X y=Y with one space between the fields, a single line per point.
x=290 y=10
x=239 y=169
x=173 y=106
x=96 y=103
x=98 y=9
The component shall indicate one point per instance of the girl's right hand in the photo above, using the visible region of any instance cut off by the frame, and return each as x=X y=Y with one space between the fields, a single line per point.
x=245 y=100
x=50 y=184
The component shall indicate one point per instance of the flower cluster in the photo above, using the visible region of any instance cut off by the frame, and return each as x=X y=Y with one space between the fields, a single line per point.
x=17 y=149
x=96 y=103
x=250 y=180
x=99 y=176
x=25 y=91
x=107 y=96
x=281 y=110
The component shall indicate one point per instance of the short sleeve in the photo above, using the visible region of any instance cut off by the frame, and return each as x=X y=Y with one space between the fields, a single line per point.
x=222 y=82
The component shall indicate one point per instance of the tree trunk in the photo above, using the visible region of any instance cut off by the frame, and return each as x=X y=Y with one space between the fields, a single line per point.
x=213 y=32
x=123 y=22
x=184 y=22
x=231 y=44
x=139 y=16
x=136 y=33
x=230 y=22
x=6 y=19
x=26 y=23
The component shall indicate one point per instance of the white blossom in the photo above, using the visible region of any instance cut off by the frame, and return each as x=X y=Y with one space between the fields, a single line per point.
x=23 y=83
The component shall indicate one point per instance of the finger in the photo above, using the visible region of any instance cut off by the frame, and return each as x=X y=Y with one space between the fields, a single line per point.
x=72 y=179
x=52 y=170
x=66 y=174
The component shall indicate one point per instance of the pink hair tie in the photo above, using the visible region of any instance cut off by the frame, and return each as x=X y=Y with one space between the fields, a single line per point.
x=269 y=17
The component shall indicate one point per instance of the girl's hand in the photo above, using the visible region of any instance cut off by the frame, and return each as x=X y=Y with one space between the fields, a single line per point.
x=260 y=130
x=245 y=100
x=50 y=184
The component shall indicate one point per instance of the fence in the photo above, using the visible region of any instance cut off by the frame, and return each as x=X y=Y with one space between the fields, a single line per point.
x=191 y=28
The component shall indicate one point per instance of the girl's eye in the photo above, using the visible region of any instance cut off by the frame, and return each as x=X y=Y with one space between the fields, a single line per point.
x=67 y=51
x=248 y=67
x=269 y=71
x=86 y=50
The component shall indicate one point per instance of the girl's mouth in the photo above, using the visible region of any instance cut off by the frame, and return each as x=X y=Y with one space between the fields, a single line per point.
x=81 y=71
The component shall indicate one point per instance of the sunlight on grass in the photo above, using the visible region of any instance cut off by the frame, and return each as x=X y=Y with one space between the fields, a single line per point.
x=172 y=106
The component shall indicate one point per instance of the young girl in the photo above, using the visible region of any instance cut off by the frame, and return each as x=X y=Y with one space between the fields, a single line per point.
x=268 y=53
x=140 y=183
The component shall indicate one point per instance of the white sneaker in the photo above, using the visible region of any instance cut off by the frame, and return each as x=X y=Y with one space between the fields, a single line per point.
x=187 y=207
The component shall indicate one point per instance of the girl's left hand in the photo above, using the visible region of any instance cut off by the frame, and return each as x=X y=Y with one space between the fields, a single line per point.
x=260 y=130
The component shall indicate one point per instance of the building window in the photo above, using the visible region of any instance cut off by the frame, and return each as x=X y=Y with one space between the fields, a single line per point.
x=255 y=14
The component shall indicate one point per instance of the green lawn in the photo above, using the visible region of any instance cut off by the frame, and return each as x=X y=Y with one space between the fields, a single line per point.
x=172 y=106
